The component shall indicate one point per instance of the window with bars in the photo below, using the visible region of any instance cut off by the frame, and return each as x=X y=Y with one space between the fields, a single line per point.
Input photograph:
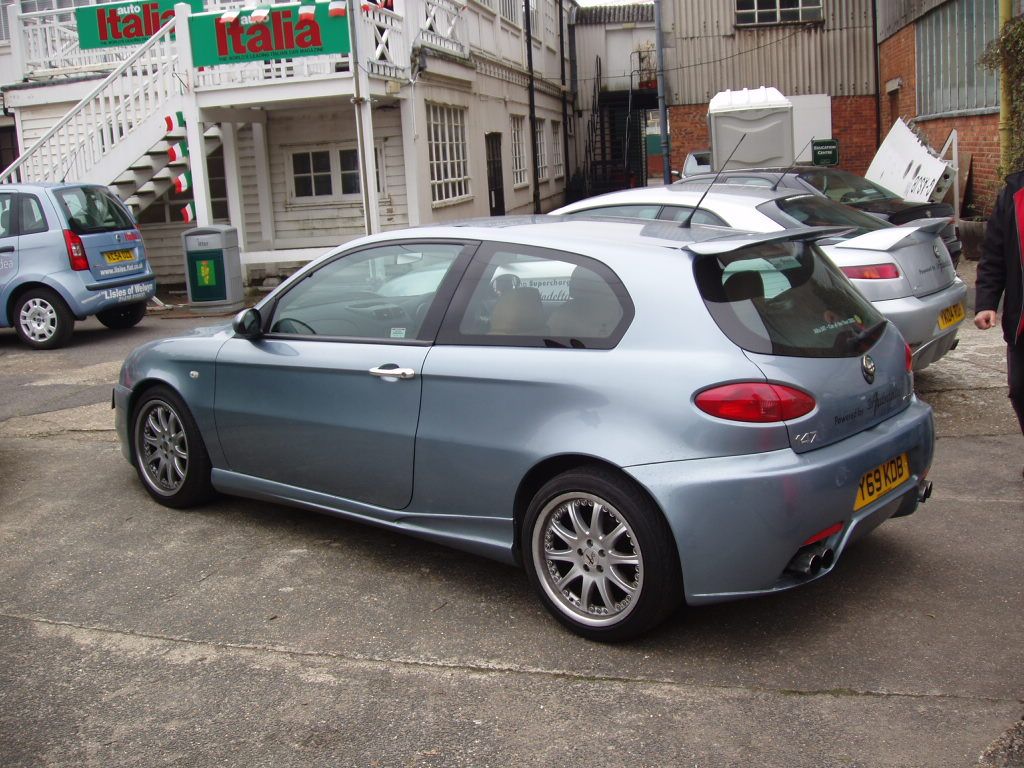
x=519 y=174
x=755 y=12
x=557 y=163
x=448 y=159
x=949 y=41
x=540 y=142
x=509 y=9
x=550 y=23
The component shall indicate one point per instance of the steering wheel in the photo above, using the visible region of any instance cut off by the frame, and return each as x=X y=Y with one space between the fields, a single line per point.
x=291 y=325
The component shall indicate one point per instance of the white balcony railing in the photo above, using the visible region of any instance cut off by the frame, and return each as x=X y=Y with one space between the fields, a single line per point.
x=45 y=44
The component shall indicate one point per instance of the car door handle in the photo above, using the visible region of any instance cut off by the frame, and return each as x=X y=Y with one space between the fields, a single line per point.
x=393 y=373
x=7 y=249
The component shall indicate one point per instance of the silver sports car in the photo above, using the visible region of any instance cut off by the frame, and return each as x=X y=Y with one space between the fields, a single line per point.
x=905 y=271
x=637 y=413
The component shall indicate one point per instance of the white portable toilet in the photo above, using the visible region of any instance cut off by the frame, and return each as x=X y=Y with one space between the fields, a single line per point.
x=764 y=116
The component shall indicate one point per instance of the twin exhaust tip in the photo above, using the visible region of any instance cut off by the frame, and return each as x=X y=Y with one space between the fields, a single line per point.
x=810 y=561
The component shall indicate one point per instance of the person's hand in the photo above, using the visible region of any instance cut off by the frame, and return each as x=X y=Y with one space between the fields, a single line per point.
x=985 y=319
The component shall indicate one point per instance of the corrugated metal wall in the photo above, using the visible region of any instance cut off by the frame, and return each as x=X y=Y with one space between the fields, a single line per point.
x=710 y=54
x=893 y=15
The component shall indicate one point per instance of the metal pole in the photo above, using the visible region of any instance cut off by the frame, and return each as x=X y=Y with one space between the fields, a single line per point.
x=528 y=30
x=360 y=103
x=1005 y=15
x=662 y=109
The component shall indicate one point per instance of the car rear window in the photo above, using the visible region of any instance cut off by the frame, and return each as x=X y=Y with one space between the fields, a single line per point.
x=90 y=210
x=786 y=299
x=814 y=211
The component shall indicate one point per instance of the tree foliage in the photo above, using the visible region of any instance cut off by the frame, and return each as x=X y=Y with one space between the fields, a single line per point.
x=1006 y=53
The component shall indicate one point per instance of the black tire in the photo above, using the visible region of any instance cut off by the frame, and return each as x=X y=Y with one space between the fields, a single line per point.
x=163 y=428
x=125 y=316
x=42 y=319
x=614 y=614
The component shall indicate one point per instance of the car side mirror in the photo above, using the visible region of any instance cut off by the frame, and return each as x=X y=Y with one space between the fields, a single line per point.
x=248 y=324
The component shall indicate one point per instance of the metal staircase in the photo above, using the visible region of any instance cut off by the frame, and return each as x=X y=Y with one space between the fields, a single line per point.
x=118 y=135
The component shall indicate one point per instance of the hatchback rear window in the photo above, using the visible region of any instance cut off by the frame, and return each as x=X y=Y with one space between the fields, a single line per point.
x=815 y=211
x=786 y=299
x=90 y=210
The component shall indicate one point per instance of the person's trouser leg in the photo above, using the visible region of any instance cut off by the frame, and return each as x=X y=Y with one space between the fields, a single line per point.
x=1015 y=377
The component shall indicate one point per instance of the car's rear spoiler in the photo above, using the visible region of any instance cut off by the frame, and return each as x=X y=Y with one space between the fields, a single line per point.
x=734 y=241
x=888 y=238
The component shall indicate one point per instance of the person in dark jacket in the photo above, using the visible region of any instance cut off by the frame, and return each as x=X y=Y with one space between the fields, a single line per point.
x=1000 y=274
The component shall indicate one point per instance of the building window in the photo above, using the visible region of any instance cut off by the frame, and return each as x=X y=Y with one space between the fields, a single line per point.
x=550 y=23
x=535 y=31
x=557 y=164
x=449 y=166
x=311 y=174
x=8 y=145
x=949 y=41
x=754 y=12
x=519 y=175
x=509 y=9
x=540 y=142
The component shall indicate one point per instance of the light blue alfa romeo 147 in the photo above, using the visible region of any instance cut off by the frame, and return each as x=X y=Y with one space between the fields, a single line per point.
x=640 y=414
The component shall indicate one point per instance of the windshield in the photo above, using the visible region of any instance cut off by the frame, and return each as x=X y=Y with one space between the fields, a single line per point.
x=90 y=210
x=846 y=187
x=814 y=211
x=786 y=299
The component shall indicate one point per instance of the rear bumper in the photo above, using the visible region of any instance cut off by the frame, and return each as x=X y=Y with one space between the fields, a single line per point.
x=86 y=298
x=739 y=520
x=918 y=317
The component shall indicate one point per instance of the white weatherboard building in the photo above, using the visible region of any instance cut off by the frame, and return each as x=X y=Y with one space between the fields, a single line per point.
x=426 y=119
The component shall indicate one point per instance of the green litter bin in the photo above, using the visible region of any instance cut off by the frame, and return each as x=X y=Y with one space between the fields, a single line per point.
x=213 y=268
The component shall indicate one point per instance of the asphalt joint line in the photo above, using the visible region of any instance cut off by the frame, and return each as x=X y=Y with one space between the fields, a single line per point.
x=499 y=669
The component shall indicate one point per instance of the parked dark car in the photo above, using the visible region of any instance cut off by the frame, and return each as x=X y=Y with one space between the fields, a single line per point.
x=844 y=187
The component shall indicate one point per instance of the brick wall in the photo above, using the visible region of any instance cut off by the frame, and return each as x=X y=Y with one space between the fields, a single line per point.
x=853 y=123
x=978 y=135
x=688 y=129
x=897 y=61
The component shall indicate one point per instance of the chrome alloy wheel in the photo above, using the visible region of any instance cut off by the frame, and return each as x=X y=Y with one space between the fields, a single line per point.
x=161 y=448
x=587 y=559
x=38 y=319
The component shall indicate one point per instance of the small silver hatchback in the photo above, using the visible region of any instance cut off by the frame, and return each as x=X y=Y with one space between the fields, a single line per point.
x=67 y=252
x=637 y=413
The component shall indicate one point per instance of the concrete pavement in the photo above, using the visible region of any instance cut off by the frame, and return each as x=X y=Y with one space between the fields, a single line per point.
x=250 y=634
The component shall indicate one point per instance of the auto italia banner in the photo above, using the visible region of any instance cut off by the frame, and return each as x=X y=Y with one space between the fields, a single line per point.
x=114 y=24
x=274 y=32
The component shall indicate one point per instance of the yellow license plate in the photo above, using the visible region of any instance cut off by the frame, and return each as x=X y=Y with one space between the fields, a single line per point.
x=116 y=257
x=951 y=315
x=882 y=479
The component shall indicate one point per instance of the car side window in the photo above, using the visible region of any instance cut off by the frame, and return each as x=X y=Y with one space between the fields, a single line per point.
x=620 y=211
x=6 y=215
x=532 y=297
x=680 y=212
x=33 y=221
x=382 y=293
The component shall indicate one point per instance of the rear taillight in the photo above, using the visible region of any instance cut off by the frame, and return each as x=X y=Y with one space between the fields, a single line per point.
x=872 y=272
x=909 y=358
x=755 y=401
x=132 y=235
x=76 y=251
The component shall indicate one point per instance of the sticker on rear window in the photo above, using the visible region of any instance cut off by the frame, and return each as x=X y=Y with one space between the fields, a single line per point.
x=835 y=324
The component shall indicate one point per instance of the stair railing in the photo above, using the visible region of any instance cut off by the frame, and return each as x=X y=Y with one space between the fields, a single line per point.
x=136 y=90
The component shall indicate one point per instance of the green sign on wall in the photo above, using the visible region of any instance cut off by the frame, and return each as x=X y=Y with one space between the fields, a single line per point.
x=278 y=32
x=114 y=24
x=825 y=151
